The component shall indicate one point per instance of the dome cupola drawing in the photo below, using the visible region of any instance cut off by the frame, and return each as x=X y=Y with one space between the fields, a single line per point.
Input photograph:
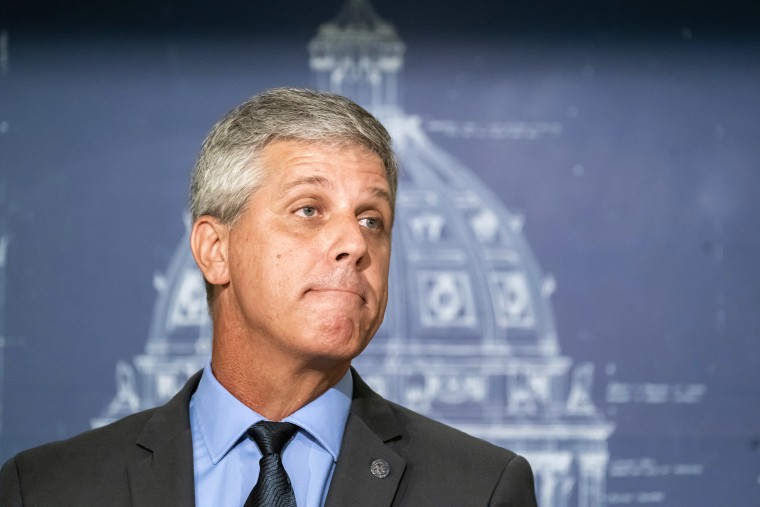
x=469 y=336
x=359 y=55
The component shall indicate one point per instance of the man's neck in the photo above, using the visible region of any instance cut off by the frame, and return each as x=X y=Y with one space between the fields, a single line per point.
x=273 y=386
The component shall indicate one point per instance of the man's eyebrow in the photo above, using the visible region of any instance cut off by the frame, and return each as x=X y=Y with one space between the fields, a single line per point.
x=324 y=182
x=307 y=180
x=382 y=194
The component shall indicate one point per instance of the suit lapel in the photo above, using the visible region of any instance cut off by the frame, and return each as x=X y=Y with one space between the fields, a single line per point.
x=370 y=427
x=165 y=475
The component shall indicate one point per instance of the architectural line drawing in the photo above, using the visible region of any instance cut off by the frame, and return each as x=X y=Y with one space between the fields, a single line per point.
x=469 y=336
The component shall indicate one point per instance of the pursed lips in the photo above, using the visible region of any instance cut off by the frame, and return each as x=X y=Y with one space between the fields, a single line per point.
x=322 y=288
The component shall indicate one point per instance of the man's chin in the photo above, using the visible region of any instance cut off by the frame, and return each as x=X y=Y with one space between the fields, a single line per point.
x=336 y=344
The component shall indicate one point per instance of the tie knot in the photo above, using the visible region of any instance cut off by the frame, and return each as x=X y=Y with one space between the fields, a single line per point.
x=271 y=436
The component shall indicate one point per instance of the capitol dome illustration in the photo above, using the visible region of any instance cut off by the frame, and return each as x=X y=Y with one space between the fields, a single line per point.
x=469 y=336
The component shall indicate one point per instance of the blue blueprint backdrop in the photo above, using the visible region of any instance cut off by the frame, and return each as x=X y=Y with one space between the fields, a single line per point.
x=626 y=136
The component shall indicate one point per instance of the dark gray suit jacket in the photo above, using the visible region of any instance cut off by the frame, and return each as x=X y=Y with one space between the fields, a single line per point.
x=146 y=460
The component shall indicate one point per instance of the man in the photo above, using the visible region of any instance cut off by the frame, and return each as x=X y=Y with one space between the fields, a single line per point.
x=292 y=200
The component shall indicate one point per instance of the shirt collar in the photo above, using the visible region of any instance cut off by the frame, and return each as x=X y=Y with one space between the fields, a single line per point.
x=324 y=418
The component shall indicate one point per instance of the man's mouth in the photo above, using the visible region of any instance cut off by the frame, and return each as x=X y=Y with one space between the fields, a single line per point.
x=339 y=290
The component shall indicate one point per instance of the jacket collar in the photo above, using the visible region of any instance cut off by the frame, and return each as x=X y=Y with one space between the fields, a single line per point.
x=365 y=459
x=164 y=476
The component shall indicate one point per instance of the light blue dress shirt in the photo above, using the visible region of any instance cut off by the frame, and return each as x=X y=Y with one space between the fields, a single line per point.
x=226 y=461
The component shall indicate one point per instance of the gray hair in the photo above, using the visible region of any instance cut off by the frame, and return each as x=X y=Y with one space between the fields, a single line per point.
x=227 y=171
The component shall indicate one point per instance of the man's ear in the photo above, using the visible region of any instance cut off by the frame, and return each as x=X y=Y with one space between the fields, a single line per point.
x=209 y=244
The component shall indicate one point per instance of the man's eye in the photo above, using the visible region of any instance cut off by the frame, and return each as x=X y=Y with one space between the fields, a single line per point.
x=308 y=211
x=371 y=223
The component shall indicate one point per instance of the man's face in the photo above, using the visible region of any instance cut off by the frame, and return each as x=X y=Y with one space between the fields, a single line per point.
x=308 y=260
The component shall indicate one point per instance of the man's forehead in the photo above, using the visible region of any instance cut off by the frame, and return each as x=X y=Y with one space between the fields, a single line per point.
x=328 y=143
x=295 y=162
x=326 y=182
x=286 y=166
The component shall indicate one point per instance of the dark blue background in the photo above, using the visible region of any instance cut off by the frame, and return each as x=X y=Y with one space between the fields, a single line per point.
x=654 y=243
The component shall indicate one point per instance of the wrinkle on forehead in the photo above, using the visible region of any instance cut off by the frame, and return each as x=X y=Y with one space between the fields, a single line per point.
x=328 y=144
x=308 y=180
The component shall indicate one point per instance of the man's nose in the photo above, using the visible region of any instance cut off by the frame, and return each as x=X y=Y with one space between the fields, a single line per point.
x=348 y=241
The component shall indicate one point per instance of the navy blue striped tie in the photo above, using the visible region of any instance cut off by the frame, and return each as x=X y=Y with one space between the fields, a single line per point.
x=273 y=488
